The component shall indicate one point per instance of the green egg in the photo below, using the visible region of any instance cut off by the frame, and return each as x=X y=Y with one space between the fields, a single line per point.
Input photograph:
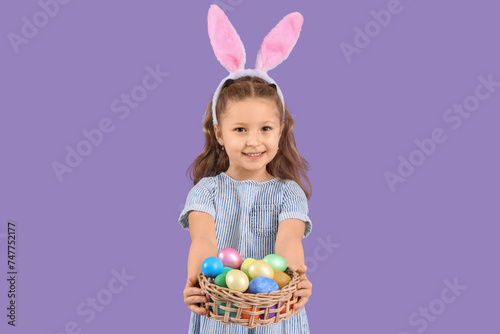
x=222 y=312
x=220 y=280
x=276 y=261
x=226 y=269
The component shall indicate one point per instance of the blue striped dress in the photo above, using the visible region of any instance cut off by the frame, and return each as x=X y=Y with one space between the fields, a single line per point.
x=247 y=214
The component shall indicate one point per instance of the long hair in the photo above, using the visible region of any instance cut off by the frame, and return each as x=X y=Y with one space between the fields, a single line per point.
x=288 y=164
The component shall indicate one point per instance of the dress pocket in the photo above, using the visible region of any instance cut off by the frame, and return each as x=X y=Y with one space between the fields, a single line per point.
x=264 y=219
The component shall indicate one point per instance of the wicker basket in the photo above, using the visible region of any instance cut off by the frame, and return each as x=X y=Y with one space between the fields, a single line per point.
x=248 y=309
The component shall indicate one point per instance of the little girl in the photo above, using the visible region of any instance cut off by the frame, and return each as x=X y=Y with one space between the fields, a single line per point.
x=248 y=194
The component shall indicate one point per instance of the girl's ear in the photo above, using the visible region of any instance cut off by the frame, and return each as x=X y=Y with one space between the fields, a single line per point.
x=218 y=135
x=225 y=41
x=279 y=42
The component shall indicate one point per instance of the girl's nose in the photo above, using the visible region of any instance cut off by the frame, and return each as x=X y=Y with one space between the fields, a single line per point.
x=253 y=139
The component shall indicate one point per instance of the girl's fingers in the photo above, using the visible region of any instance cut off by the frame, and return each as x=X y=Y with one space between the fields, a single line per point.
x=196 y=299
x=192 y=281
x=302 y=269
x=193 y=292
x=302 y=293
x=195 y=304
x=296 y=310
x=198 y=310
x=306 y=284
x=302 y=301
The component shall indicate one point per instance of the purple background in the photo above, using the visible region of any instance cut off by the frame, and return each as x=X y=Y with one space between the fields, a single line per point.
x=393 y=250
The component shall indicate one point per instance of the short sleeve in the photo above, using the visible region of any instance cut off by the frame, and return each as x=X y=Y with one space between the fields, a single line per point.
x=199 y=198
x=295 y=205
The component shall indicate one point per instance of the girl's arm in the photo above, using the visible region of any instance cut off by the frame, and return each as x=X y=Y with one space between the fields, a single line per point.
x=203 y=245
x=289 y=242
x=289 y=245
x=203 y=241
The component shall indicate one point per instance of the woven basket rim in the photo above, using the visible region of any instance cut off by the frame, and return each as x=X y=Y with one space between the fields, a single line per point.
x=272 y=293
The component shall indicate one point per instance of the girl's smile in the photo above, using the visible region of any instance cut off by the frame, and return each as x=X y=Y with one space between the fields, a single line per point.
x=254 y=155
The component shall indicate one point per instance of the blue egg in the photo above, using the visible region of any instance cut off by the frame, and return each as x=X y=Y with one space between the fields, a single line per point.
x=262 y=284
x=212 y=266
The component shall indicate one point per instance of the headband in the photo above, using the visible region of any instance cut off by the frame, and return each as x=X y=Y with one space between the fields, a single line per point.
x=230 y=51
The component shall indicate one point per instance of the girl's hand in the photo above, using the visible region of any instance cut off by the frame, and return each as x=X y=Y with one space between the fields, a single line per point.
x=304 y=289
x=194 y=295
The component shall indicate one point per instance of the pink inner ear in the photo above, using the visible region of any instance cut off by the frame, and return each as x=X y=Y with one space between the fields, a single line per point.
x=280 y=41
x=225 y=41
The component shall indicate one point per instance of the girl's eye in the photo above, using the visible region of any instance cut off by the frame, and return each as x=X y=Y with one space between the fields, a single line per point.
x=268 y=127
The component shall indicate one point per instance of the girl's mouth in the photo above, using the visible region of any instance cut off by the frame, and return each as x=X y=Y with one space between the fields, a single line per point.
x=254 y=156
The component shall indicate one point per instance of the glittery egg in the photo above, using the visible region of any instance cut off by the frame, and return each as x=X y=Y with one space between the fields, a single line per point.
x=237 y=280
x=220 y=280
x=281 y=278
x=260 y=268
x=276 y=261
x=262 y=285
x=230 y=258
x=246 y=264
x=212 y=266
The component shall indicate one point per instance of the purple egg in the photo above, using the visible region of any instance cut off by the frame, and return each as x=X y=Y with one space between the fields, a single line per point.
x=271 y=315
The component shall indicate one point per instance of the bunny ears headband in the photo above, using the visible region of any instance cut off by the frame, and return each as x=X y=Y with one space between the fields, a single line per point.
x=230 y=51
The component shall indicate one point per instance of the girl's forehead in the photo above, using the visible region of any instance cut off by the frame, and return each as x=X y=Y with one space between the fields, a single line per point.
x=251 y=111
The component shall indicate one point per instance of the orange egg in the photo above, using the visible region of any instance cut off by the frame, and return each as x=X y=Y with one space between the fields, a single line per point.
x=247 y=316
x=284 y=309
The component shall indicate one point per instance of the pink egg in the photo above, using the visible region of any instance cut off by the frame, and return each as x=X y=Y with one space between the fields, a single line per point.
x=230 y=258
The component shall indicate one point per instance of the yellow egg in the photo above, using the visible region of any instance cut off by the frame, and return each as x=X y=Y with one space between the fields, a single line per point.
x=260 y=268
x=246 y=264
x=237 y=280
x=281 y=278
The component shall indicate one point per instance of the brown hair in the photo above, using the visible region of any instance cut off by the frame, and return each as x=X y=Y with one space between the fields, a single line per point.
x=288 y=164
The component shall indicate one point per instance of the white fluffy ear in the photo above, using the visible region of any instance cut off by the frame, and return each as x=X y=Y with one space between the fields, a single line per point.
x=225 y=41
x=279 y=42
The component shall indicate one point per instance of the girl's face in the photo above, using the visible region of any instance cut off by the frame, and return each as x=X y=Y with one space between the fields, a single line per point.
x=249 y=126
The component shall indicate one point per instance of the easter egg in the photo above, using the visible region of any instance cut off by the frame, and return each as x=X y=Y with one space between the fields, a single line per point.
x=262 y=316
x=262 y=285
x=281 y=278
x=247 y=316
x=230 y=258
x=276 y=261
x=260 y=268
x=237 y=280
x=212 y=266
x=290 y=306
x=222 y=312
x=227 y=269
x=220 y=280
x=246 y=264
